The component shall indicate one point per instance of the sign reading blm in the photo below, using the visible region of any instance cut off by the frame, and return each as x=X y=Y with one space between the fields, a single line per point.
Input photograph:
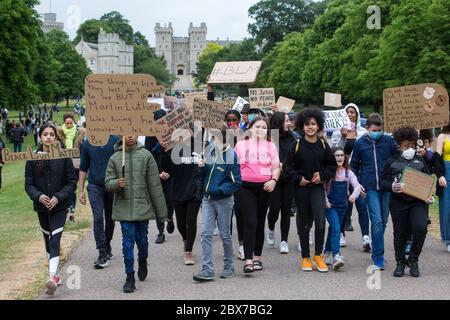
x=423 y=106
x=234 y=72
x=118 y=105
x=262 y=98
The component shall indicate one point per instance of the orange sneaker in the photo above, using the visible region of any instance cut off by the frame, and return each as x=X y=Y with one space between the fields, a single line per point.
x=319 y=263
x=306 y=264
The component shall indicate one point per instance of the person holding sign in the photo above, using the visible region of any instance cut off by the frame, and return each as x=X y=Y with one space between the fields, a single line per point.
x=407 y=213
x=283 y=194
x=50 y=184
x=221 y=177
x=443 y=148
x=314 y=164
x=345 y=138
x=260 y=171
x=138 y=197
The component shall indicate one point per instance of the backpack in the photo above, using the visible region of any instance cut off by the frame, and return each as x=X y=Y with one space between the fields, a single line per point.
x=297 y=146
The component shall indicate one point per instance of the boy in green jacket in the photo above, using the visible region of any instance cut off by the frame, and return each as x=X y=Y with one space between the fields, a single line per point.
x=138 y=197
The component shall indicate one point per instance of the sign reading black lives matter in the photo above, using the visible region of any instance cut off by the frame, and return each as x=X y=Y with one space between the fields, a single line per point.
x=55 y=152
x=118 y=105
x=336 y=119
x=234 y=72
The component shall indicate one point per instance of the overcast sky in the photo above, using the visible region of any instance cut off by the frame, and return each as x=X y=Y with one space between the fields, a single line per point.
x=224 y=18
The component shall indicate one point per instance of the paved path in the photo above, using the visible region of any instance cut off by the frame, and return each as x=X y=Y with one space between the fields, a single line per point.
x=282 y=278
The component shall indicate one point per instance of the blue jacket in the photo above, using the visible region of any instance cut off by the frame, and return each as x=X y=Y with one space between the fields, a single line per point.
x=221 y=174
x=368 y=159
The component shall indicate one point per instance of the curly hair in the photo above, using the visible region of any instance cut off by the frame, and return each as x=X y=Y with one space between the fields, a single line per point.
x=305 y=116
x=405 y=133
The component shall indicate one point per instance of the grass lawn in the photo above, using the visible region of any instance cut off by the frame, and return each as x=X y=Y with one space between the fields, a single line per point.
x=19 y=226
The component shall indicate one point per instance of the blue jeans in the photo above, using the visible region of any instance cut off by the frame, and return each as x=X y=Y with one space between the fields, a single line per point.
x=17 y=147
x=101 y=204
x=335 y=217
x=221 y=211
x=134 y=232
x=378 y=205
x=444 y=208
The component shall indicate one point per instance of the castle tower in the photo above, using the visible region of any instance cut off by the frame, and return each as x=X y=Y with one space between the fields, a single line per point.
x=197 y=41
x=163 y=47
x=108 y=52
x=50 y=23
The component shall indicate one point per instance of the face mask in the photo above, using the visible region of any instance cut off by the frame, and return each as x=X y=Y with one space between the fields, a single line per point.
x=251 y=117
x=375 y=135
x=408 y=154
x=233 y=125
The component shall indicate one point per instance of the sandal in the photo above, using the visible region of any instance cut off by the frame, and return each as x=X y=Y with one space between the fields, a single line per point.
x=257 y=265
x=248 y=268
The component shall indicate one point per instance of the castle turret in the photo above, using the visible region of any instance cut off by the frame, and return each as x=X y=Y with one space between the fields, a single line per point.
x=197 y=37
x=163 y=47
x=108 y=52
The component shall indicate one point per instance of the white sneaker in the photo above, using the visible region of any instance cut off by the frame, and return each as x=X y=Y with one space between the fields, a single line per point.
x=270 y=237
x=241 y=254
x=329 y=258
x=311 y=238
x=284 y=247
x=365 y=244
x=448 y=248
x=338 y=262
x=216 y=231
x=299 y=247
x=342 y=241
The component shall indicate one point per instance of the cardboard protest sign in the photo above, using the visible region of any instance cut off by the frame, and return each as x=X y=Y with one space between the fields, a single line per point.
x=336 y=119
x=210 y=113
x=417 y=184
x=117 y=105
x=178 y=119
x=285 y=104
x=189 y=98
x=55 y=152
x=423 y=106
x=332 y=100
x=262 y=98
x=234 y=72
x=239 y=104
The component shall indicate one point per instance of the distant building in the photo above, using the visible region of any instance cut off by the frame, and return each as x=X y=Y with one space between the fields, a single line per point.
x=182 y=53
x=50 y=23
x=110 y=55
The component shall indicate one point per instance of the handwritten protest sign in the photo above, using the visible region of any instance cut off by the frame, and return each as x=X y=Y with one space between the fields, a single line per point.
x=234 y=72
x=417 y=184
x=55 y=152
x=332 y=100
x=210 y=113
x=423 y=106
x=117 y=105
x=262 y=98
x=285 y=104
x=189 y=98
x=178 y=119
x=239 y=104
x=336 y=119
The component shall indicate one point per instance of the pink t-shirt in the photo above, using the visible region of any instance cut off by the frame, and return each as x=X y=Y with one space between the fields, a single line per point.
x=257 y=158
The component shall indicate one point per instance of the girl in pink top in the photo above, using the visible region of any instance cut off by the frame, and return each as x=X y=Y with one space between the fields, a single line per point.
x=337 y=198
x=260 y=170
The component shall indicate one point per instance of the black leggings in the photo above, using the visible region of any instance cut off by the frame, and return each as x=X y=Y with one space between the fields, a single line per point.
x=253 y=202
x=167 y=189
x=408 y=218
x=310 y=208
x=186 y=213
x=239 y=222
x=281 y=198
x=52 y=226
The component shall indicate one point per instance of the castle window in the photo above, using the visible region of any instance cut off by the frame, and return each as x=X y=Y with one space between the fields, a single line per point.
x=198 y=39
x=195 y=46
x=181 y=56
x=167 y=46
x=163 y=38
x=91 y=62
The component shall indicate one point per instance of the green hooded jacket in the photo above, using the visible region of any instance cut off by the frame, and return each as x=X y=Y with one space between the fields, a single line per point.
x=143 y=197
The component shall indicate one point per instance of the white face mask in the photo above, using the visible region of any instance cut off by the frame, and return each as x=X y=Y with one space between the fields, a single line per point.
x=409 y=153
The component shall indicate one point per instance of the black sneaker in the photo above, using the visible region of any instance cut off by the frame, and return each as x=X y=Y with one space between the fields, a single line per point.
x=414 y=269
x=400 y=269
x=170 y=226
x=160 y=238
x=142 y=270
x=349 y=228
x=109 y=255
x=130 y=283
x=101 y=262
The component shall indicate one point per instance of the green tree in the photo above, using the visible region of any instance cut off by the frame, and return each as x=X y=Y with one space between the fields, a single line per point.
x=18 y=53
x=276 y=18
x=90 y=29
x=118 y=24
x=139 y=39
